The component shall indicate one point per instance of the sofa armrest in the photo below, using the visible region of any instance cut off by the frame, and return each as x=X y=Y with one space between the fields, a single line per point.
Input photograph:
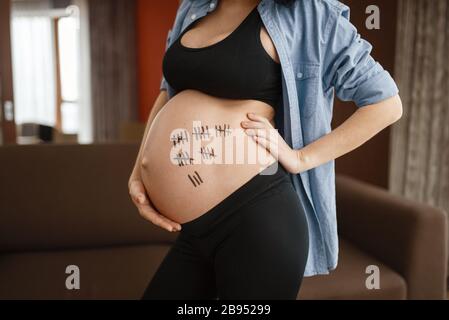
x=408 y=236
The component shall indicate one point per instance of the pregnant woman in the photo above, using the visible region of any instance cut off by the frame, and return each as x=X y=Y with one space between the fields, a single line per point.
x=212 y=165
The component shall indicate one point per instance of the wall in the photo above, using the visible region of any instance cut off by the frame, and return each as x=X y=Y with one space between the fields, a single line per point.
x=371 y=161
x=6 y=89
x=113 y=45
x=154 y=19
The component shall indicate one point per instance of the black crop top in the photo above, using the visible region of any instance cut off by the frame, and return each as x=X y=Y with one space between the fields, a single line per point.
x=237 y=67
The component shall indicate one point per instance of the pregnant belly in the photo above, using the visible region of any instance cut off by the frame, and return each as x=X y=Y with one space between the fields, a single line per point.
x=196 y=154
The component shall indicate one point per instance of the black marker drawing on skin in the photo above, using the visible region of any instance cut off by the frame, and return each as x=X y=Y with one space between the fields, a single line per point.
x=223 y=131
x=201 y=133
x=208 y=153
x=184 y=159
x=180 y=138
x=196 y=179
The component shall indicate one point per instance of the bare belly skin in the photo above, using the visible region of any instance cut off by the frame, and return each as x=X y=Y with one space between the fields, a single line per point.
x=196 y=154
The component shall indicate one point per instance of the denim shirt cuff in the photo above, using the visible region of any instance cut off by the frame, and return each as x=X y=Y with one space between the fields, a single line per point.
x=376 y=89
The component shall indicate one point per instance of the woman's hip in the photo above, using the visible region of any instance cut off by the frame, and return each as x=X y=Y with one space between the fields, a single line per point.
x=267 y=201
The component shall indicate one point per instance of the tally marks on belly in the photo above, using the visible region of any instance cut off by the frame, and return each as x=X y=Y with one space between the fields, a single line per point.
x=200 y=133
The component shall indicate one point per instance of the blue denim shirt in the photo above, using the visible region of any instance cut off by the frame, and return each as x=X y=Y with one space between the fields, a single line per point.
x=322 y=55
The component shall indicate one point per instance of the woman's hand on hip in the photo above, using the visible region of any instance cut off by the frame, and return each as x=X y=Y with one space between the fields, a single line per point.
x=263 y=133
x=147 y=211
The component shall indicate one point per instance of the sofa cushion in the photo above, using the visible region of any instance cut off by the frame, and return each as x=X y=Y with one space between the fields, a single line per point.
x=110 y=273
x=69 y=197
x=124 y=273
x=348 y=280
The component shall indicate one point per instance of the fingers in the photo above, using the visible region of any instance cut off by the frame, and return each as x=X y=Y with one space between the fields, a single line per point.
x=174 y=226
x=140 y=199
x=270 y=136
x=138 y=193
x=257 y=118
x=270 y=146
x=256 y=122
x=263 y=133
x=253 y=125
x=143 y=204
x=258 y=133
x=148 y=213
x=262 y=141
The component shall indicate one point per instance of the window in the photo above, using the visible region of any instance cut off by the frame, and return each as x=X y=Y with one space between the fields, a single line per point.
x=33 y=70
x=46 y=64
x=69 y=66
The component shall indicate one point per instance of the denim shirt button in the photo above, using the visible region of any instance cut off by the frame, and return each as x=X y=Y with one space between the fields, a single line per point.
x=212 y=5
x=193 y=16
x=300 y=75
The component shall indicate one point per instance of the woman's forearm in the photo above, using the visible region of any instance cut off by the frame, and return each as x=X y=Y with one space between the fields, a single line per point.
x=161 y=100
x=354 y=132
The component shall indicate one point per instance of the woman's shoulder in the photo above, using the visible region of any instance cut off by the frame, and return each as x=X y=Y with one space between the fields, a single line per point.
x=317 y=16
x=314 y=8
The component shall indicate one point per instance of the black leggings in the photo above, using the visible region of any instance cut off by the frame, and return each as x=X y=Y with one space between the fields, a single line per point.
x=253 y=245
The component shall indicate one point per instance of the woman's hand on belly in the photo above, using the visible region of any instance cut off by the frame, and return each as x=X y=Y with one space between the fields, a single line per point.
x=147 y=211
x=263 y=132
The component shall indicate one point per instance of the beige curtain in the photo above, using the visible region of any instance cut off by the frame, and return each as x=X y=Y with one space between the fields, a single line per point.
x=420 y=141
x=113 y=65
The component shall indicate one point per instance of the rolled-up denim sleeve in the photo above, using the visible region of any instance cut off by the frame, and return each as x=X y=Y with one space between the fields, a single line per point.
x=164 y=84
x=349 y=67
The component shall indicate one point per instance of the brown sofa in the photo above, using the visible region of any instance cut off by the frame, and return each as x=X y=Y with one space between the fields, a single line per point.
x=69 y=205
